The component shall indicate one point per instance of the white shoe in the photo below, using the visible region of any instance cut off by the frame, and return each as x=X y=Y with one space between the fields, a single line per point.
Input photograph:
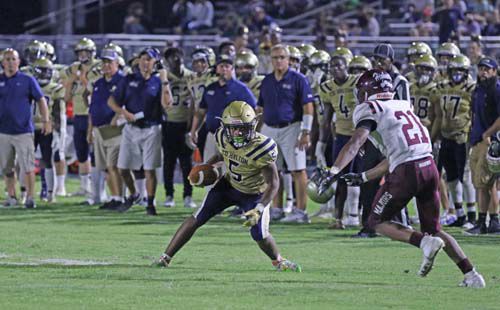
x=448 y=219
x=324 y=212
x=276 y=214
x=297 y=216
x=24 y=195
x=143 y=202
x=189 y=203
x=473 y=279
x=351 y=221
x=430 y=247
x=289 y=206
x=61 y=191
x=169 y=202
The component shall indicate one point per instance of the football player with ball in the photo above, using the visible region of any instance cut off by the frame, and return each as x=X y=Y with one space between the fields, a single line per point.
x=251 y=181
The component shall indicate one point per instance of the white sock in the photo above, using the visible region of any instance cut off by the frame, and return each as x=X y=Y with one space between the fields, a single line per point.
x=352 y=201
x=140 y=185
x=49 y=177
x=85 y=182
x=61 y=182
x=288 y=185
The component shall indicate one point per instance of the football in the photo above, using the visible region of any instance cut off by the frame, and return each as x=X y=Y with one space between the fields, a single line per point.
x=204 y=175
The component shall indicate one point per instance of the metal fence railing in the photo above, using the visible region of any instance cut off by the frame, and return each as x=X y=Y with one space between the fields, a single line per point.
x=132 y=43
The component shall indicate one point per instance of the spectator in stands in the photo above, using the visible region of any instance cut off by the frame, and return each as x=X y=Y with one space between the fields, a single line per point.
x=411 y=15
x=241 y=38
x=340 y=38
x=475 y=53
x=200 y=15
x=480 y=6
x=227 y=48
x=471 y=25
x=136 y=22
x=492 y=27
x=180 y=14
x=448 y=18
x=17 y=93
x=260 y=19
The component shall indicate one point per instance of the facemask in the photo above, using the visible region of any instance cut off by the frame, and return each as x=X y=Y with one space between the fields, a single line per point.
x=245 y=77
x=458 y=77
x=424 y=79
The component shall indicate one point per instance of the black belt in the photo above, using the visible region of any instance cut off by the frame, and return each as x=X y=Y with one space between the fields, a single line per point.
x=281 y=125
x=144 y=124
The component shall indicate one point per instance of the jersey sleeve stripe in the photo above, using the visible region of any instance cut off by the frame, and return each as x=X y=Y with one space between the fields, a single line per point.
x=217 y=138
x=260 y=146
x=265 y=152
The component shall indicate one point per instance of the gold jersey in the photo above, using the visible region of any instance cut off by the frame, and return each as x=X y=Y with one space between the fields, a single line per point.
x=341 y=98
x=423 y=100
x=411 y=77
x=198 y=83
x=93 y=73
x=455 y=109
x=254 y=85
x=54 y=95
x=179 y=111
x=244 y=164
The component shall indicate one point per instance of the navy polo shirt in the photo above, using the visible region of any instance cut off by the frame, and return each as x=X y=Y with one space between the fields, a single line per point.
x=16 y=96
x=140 y=95
x=100 y=113
x=482 y=118
x=216 y=98
x=283 y=100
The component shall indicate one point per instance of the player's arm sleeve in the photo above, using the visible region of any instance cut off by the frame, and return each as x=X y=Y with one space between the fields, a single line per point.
x=364 y=115
x=260 y=101
x=264 y=153
x=402 y=89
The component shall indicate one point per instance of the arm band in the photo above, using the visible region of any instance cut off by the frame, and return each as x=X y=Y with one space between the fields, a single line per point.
x=363 y=177
x=307 y=120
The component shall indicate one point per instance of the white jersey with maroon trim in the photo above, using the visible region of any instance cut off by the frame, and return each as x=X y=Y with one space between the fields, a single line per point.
x=403 y=135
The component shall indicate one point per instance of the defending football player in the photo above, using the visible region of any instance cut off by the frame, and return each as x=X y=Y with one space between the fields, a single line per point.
x=250 y=182
x=412 y=172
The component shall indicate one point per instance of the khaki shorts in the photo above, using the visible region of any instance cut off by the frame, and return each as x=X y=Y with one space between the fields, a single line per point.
x=481 y=176
x=286 y=139
x=106 y=151
x=140 y=147
x=20 y=147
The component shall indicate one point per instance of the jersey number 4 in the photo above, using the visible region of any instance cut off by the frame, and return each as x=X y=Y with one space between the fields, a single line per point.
x=410 y=121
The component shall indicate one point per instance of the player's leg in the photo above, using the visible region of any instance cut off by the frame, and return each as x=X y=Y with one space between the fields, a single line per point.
x=186 y=164
x=46 y=150
x=452 y=163
x=82 y=154
x=470 y=195
x=215 y=201
x=169 y=162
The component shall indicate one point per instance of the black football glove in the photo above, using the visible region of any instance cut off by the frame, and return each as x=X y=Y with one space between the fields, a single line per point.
x=353 y=179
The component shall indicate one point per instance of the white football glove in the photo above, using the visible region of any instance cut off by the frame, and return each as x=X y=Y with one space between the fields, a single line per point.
x=319 y=152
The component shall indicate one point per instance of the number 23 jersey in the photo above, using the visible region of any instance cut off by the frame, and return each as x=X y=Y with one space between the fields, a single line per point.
x=244 y=164
x=402 y=134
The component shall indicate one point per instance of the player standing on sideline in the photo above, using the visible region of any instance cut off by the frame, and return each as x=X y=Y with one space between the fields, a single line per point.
x=17 y=90
x=250 y=182
x=103 y=130
x=453 y=122
x=176 y=141
x=485 y=123
x=54 y=95
x=245 y=65
x=337 y=97
x=139 y=98
x=77 y=77
x=286 y=99
x=412 y=172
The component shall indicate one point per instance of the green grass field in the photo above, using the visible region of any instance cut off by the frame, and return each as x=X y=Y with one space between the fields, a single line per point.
x=69 y=256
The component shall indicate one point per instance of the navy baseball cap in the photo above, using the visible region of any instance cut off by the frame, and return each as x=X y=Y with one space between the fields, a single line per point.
x=384 y=50
x=224 y=58
x=151 y=52
x=488 y=62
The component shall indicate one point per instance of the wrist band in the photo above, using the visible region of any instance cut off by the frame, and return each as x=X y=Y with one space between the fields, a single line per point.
x=363 y=177
x=307 y=121
x=335 y=170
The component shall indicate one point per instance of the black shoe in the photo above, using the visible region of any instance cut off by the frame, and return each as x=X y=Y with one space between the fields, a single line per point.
x=365 y=233
x=459 y=222
x=30 y=204
x=111 y=205
x=471 y=217
x=151 y=210
x=129 y=202
x=479 y=229
x=494 y=228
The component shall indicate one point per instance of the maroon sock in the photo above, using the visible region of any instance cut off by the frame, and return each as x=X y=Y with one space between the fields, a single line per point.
x=465 y=265
x=416 y=238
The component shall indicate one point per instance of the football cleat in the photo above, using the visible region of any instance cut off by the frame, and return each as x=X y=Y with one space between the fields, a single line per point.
x=163 y=261
x=286 y=265
x=151 y=210
x=296 y=216
x=473 y=279
x=129 y=202
x=10 y=202
x=430 y=247
x=189 y=203
x=169 y=202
